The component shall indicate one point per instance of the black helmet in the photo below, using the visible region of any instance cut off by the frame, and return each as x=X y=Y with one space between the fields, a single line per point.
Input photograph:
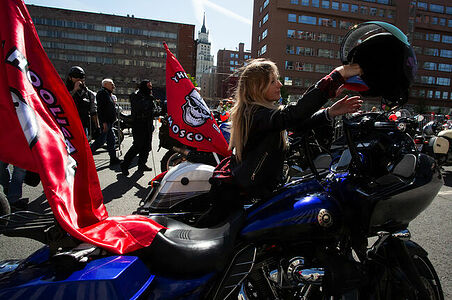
x=386 y=57
x=76 y=72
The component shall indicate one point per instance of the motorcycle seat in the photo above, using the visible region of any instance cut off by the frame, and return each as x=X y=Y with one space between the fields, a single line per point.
x=183 y=250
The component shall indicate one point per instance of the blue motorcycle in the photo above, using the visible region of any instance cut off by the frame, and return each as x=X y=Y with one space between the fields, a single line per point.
x=308 y=241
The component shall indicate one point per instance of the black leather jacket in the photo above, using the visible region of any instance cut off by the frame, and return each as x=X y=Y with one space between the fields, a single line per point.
x=106 y=107
x=267 y=124
x=142 y=107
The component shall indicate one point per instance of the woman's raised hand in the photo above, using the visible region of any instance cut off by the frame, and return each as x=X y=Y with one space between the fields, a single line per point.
x=348 y=71
x=345 y=105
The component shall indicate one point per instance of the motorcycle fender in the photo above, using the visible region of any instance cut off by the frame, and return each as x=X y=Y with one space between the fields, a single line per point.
x=415 y=249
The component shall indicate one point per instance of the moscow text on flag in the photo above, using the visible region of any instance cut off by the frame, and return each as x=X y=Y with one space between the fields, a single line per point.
x=41 y=132
x=190 y=119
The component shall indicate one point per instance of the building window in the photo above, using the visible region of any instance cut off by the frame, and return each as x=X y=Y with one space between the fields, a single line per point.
x=304 y=51
x=305 y=2
x=445 y=95
x=373 y=11
x=447 y=39
x=422 y=93
x=443 y=81
x=430 y=94
x=434 y=37
x=434 y=21
x=437 y=8
x=287 y=81
x=288 y=65
x=345 y=6
x=326 y=53
x=449 y=12
x=437 y=94
x=292 y=18
x=232 y=55
x=315 y=3
x=364 y=10
x=290 y=49
x=445 y=53
x=231 y=62
x=327 y=22
x=263 y=49
x=231 y=69
x=307 y=20
x=429 y=66
x=266 y=3
x=325 y=4
x=354 y=8
x=265 y=19
x=381 y=12
x=335 y=5
x=427 y=79
x=383 y=2
x=264 y=34
x=422 y=5
x=290 y=33
x=431 y=51
x=294 y=1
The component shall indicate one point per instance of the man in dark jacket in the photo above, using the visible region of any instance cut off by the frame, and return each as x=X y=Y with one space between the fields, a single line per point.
x=84 y=98
x=106 y=111
x=142 y=111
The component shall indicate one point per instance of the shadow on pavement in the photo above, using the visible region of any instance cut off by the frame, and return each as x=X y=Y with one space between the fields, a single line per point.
x=39 y=205
x=117 y=189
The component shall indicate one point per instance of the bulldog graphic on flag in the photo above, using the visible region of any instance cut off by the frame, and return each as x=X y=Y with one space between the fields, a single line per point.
x=190 y=120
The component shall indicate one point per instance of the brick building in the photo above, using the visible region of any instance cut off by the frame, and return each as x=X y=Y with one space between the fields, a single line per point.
x=126 y=49
x=303 y=37
x=228 y=61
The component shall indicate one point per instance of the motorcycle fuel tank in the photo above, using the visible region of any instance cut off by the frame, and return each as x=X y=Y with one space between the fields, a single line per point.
x=301 y=209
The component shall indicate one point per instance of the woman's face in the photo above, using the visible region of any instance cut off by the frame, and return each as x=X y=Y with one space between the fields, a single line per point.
x=273 y=92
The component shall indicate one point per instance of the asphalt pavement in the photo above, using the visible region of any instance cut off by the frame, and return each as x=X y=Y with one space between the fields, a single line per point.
x=431 y=229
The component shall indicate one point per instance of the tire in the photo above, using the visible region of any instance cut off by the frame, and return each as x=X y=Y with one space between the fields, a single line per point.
x=399 y=286
x=174 y=160
x=164 y=161
x=5 y=209
x=429 y=277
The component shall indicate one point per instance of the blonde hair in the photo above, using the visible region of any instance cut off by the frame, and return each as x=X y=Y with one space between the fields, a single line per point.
x=254 y=80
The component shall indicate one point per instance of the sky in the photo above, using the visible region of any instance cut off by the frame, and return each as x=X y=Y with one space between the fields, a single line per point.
x=228 y=22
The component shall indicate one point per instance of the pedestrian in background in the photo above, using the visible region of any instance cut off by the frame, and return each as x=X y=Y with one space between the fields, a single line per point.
x=143 y=107
x=84 y=98
x=106 y=111
x=12 y=185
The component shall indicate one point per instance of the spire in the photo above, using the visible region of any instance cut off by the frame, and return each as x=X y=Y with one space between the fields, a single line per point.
x=203 y=28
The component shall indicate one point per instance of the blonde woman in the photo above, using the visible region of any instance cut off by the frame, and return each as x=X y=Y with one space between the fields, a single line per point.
x=258 y=125
x=259 y=128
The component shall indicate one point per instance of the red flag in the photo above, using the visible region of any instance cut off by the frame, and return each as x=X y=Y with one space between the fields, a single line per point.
x=190 y=119
x=41 y=131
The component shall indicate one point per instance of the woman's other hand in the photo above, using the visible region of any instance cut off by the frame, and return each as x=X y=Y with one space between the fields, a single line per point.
x=345 y=105
x=348 y=71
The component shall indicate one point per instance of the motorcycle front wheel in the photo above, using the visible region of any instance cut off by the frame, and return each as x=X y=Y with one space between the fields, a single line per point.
x=397 y=284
